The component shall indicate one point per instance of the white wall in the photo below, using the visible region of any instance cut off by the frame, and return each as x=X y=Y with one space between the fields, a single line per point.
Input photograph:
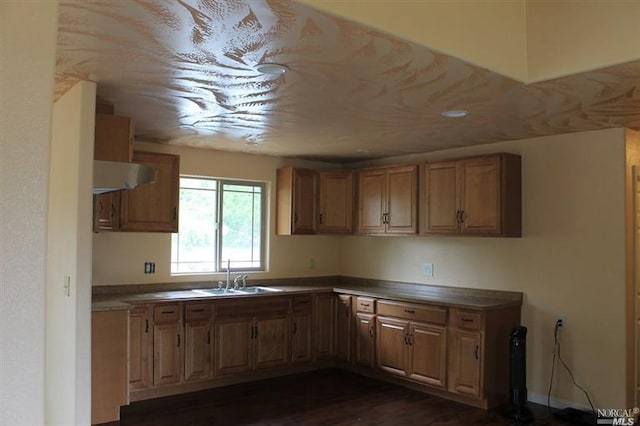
x=118 y=258
x=569 y=261
x=27 y=55
x=68 y=342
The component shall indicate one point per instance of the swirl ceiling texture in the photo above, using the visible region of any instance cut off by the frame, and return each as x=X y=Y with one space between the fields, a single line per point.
x=185 y=71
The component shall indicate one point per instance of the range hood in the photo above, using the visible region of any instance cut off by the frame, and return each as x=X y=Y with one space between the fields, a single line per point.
x=109 y=176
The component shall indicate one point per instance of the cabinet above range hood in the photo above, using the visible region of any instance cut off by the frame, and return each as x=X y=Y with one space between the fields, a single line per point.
x=109 y=176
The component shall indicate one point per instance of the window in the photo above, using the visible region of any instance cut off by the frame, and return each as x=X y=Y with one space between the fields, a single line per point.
x=220 y=221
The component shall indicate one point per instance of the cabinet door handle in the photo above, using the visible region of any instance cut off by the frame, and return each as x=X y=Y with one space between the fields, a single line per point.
x=477 y=352
x=146 y=326
x=410 y=339
x=457 y=216
x=467 y=320
x=461 y=216
x=208 y=338
x=178 y=339
x=409 y=311
x=175 y=213
x=406 y=339
x=113 y=210
x=366 y=305
x=256 y=333
x=320 y=218
x=371 y=331
x=168 y=312
x=295 y=328
x=251 y=336
x=295 y=218
x=197 y=310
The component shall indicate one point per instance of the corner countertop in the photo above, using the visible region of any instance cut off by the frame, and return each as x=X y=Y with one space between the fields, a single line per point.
x=121 y=299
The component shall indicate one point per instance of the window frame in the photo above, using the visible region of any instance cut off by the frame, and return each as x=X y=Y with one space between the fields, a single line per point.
x=264 y=231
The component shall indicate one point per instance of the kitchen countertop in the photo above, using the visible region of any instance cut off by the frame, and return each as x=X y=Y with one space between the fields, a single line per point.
x=444 y=296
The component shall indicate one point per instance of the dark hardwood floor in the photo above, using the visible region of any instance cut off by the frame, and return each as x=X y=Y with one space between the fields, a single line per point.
x=324 y=397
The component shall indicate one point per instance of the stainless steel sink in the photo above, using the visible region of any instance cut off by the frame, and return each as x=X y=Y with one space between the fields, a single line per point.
x=216 y=291
x=258 y=289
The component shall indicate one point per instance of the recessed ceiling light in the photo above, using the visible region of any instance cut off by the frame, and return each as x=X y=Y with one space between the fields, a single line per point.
x=455 y=113
x=271 y=68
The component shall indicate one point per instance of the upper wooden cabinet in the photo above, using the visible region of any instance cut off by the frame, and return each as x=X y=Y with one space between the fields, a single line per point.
x=153 y=207
x=296 y=198
x=113 y=138
x=475 y=196
x=335 y=213
x=387 y=200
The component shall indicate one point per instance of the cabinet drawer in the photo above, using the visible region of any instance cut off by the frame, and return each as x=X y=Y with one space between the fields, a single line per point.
x=302 y=304
x=169 y=312
x=366 y=304
x=467 y=319
x=197 y=311
x=423 y=313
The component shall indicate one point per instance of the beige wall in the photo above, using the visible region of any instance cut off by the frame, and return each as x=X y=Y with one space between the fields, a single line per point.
x=569 y=261
x=488 y=33
x=27 y=55
x=119 y=257
x=68 y=343
x=566 y=37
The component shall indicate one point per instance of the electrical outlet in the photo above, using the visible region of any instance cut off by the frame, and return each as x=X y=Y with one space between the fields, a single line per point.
x=427 y=269
x=149 y=267
x=561 y=321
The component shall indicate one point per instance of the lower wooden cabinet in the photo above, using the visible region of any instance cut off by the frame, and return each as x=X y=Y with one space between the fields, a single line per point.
x=256 y=336
x=324 y=325
x=365 y=339
x=302 y=330
x=465 y=362
x=140 y=348
x=198 y=342
x=168 y=344
x=343 y=327
x=413 y=350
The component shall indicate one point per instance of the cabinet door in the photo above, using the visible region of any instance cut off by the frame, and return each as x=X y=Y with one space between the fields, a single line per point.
x=335 y=212
x=271 y=340
x=343 y=328
x=324 y=325
x=402 y=195
x=428 y=354
x=442 y=197
x=480 y=196
x=391 y=343
x=233 y=349
x=464 y=362
x=106 y=212
x=140 y=348
x=304 y=201
x=153 y=207
x=198 y=342
x=113 y=138
x=365 y=339
x=372 y=204
x=301 y=337
x=167 y=353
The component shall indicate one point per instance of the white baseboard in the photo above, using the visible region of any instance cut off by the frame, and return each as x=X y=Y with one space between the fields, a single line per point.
x=555 y=402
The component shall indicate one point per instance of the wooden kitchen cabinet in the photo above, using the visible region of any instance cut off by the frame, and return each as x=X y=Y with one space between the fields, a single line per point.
x=324 y=325
x=302 y=329
x=198 y=342
x=365 y=339
x=153 y=207
x=113 y=141
x=252 y=335
x=109 y=372
x=343 y=327
x=475 y=196
x=335 y=205
x=409 y=348
x=387 y=200
x=296 y=201
x=168 y=344
x=140 y=348
x=465 y=362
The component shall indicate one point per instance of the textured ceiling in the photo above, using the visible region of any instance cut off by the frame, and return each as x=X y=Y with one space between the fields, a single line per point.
x=185 y=71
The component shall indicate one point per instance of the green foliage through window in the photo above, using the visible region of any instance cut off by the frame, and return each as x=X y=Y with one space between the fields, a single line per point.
x=220 y=221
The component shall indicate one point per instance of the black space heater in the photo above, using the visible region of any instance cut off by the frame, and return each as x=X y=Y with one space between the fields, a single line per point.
x=520 y=413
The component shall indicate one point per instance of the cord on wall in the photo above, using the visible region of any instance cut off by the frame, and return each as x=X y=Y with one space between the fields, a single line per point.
x=556 y=353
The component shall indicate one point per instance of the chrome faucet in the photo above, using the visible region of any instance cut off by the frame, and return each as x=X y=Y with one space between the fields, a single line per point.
x=228 y=273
